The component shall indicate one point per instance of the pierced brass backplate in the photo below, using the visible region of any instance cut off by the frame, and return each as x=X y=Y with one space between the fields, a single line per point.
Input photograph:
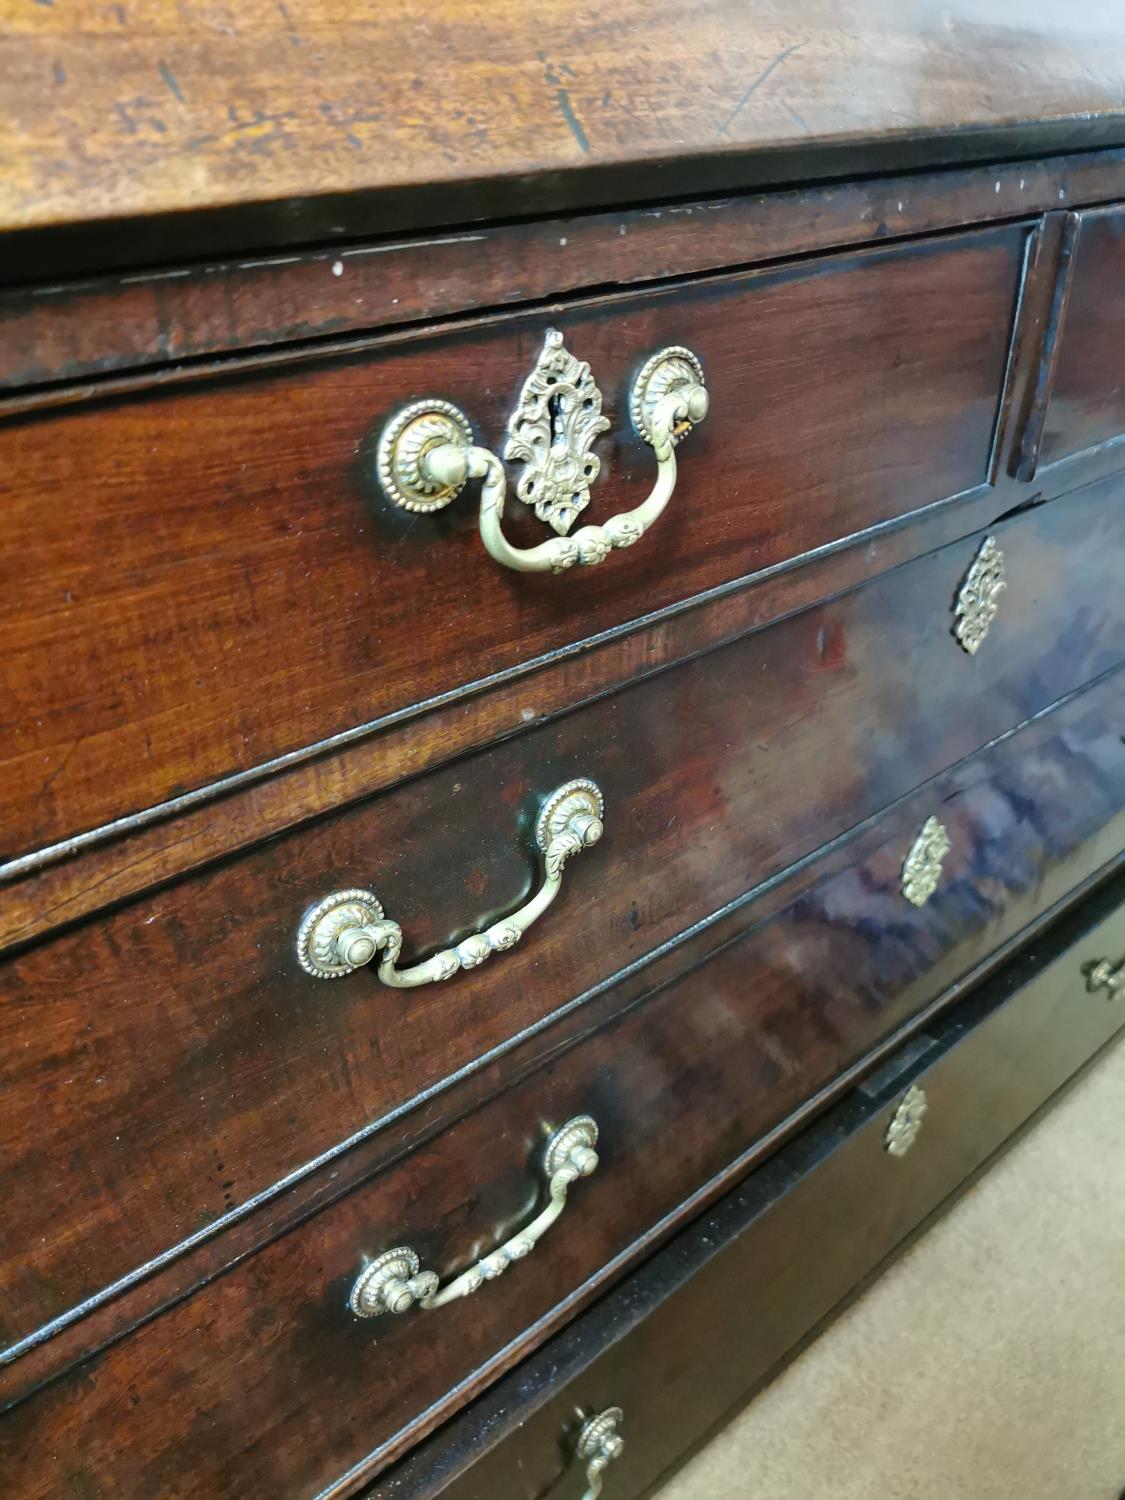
x=921 y=869
x=555 y=421
x=977 y=601
x=906 y=1122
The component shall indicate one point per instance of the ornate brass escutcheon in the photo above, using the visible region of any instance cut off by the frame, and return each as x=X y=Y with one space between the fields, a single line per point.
x=906 y=1122
x=921 y=869
x=978 y=598
x=557 y=417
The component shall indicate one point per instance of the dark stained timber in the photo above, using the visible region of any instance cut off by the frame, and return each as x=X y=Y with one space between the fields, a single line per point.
x=209 y=578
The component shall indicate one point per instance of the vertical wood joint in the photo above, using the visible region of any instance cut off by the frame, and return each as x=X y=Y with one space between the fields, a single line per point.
x=1034 y=355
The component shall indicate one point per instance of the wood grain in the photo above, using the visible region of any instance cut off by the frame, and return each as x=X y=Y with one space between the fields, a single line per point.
x=89 y=329
x=682 y=1086
x=280 y=124
x=805 y=1233
x=200 y=582
x=192 y=996
x=83 y=1331
x=42 y=895
x=1047 y=287
x=1087 y=403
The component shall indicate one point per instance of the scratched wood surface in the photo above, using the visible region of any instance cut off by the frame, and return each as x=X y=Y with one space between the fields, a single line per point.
x=280 y=121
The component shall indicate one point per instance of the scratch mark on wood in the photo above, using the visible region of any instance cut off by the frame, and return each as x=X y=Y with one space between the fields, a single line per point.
x=61 y=767
x=171 y=81
x=127 y=121
x=753 y=88
x=562 y=99
x=801 y=121
x=567 y=112
x=283 y=11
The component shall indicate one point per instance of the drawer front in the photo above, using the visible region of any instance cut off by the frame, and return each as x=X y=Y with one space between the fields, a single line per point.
x=1087 y=402
x=292 y=1389
x=168 y=543
x=706 y=1322
x=179 y=1061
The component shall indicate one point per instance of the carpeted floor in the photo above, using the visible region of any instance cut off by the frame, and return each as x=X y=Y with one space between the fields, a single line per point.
x=987 y=1364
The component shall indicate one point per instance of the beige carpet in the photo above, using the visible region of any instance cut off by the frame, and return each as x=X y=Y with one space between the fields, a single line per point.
x=987 y=1364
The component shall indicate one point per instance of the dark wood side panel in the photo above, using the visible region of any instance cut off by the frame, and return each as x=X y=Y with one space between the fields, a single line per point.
x=197 y=583
x=82 y=330
x=682 y=1086
x=706 y=1322
x=1087 y=403
x=158 y=1051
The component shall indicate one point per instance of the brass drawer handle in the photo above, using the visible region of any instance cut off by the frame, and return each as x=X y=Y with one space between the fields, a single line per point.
x=427 y=454
x=1101 y=975
x=394 y=1281
x=348 y=928
x=599 y=1443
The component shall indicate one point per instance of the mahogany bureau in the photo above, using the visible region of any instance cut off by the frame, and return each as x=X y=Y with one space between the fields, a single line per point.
x=563 y=640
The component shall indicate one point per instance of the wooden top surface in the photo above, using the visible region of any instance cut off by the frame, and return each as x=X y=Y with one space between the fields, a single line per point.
x=280 y=121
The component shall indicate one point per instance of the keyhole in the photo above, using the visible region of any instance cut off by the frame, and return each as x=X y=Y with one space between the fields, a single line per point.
x=555 y=412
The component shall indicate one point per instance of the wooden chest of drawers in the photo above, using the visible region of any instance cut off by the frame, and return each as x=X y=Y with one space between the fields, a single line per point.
x=532 y=716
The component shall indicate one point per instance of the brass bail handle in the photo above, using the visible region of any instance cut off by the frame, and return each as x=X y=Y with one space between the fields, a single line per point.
x=426 y=455
x=394 y=1281
x=599 y=1443
x=348 y=929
